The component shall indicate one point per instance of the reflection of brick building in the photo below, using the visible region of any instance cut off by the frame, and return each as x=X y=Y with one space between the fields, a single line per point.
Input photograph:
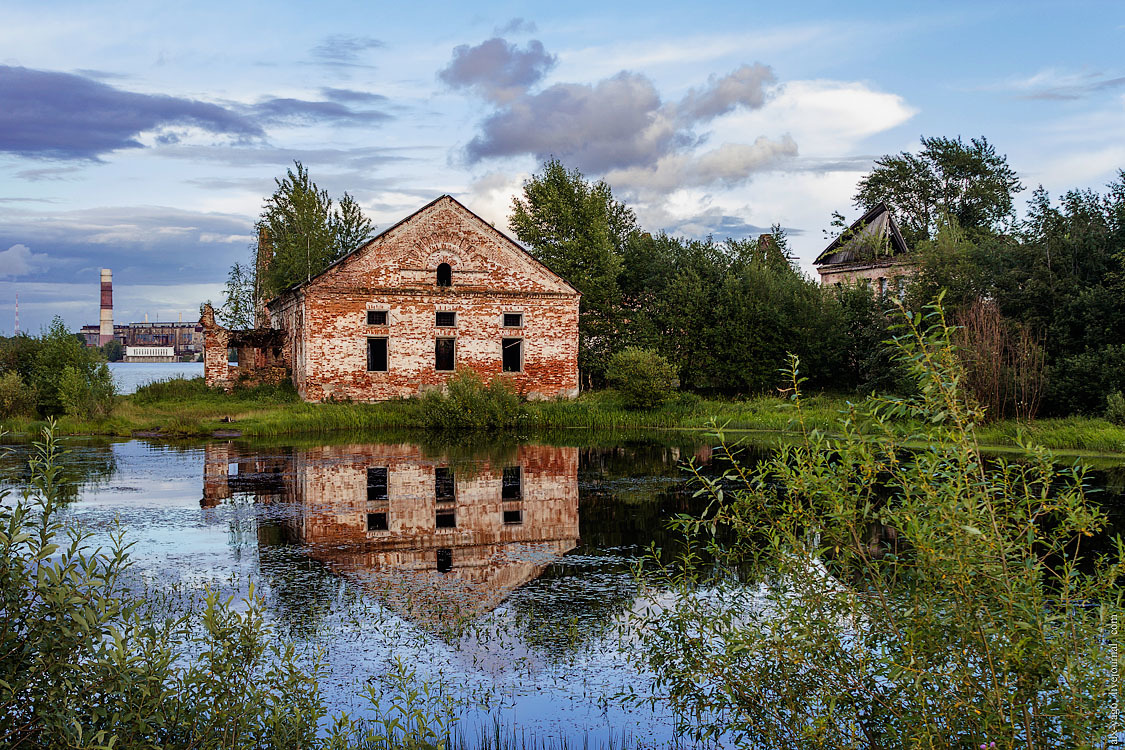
x=439 y=291
x=434 y=539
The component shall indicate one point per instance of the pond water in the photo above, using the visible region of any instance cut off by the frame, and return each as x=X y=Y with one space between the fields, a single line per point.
x=500 y=573
x=129 y=376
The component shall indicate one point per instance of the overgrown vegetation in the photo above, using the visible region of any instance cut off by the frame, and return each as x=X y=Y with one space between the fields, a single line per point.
x=896 y=598
x=54 y=374
x=468 y=403
x=643 y=377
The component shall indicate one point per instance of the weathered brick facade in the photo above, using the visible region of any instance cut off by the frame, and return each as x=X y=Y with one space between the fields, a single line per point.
x=442 y=259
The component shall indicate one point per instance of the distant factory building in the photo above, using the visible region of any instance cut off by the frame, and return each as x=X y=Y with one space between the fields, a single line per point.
x=150 y=354
x=184 y=339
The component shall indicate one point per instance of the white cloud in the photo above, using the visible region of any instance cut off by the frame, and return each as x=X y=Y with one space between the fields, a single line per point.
x=18 y=260
x=729 y=164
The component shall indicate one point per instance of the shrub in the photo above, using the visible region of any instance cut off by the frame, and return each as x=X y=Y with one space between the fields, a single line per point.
x=17 y=399
x=468 y=403
x=86 y=393
x=861 y=594
x=644 y=378
x=172 y=389
x=1115 y=408
x=58 y=350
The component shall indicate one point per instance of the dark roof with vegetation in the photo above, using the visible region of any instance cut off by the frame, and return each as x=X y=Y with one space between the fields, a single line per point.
x=874 y=235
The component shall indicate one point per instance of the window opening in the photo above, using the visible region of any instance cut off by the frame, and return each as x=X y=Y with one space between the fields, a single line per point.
x=444 y=487
x=513 y=320
x=512 y=355
x=446 y=519
x=513 y=517
x=445 y=352
x=377 y=355
x=446 y=319
x=444 y=275
x=377 y=483
x=376 y=317
x=377 y=522
x=444 y=560
x=511 y=486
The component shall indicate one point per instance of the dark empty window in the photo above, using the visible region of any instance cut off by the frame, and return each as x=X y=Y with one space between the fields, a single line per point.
x=444 y=275
x=444 y=560
x=446 y=519
x=377 y=483
x=376 y=355
x=376 y=317
x=511 y=487
x=443 y=484
x=512 y=355
x=444 y=354
x=378 y=521
x=512 y=517
x=446 y=319
x=513 y=320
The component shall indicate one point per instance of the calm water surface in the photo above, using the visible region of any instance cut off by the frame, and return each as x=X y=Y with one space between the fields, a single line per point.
x=131 y=375
x=499 y=573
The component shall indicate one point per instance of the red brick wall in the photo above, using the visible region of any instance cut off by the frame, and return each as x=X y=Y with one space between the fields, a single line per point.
x=398 y=273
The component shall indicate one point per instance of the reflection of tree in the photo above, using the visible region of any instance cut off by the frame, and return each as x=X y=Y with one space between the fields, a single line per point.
x=82 y=464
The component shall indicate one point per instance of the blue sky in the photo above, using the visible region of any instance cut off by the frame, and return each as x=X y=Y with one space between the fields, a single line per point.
x=143 y=137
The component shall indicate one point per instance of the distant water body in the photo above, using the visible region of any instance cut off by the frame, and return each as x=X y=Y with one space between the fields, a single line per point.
x=131 y=375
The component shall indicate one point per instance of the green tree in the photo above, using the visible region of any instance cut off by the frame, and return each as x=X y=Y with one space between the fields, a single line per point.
x=642 y=376
x=57 y=351
x=239 y=309
x=946 y=178
x=301 y=233
x=579 y=231
x=113 y=351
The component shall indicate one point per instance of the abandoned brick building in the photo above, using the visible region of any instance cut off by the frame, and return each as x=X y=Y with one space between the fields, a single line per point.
x=441 y=290
x=870 y=252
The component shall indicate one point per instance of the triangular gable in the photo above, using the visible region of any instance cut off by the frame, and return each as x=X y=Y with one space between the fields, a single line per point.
x=502 y=251
x=874 y=229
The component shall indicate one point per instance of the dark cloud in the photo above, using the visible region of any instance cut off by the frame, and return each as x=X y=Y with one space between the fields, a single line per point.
x=350 y=96
x=303 y=111
x=344 y=49
x=516 y=26
x=66 y=116
x=47 y=173
x=1078 y=89
x=618 y=123
x=497 y=69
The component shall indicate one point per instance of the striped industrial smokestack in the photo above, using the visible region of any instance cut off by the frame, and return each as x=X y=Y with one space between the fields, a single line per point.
x=105 y=331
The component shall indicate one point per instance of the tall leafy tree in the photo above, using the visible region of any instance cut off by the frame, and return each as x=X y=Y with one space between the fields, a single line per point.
x=579 y=230
x=238 y=308
x=969 y=182
x=301 y=232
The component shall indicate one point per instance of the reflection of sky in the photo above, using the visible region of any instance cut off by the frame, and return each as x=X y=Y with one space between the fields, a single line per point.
x=539 y=686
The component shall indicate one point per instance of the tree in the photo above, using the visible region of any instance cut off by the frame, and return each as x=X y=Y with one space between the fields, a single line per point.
x=238 y=309
x=113 y=351
x=58 y=350
x=579 y=231
x=947 y=178
x=300 y=233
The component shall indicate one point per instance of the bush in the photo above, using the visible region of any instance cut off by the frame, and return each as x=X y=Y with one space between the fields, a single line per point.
x=57 y=351
x=644 y=378
x=17 y=399
x=467 y=403
x=850 y=592
x=172 y=389
x=86 y=393
x=1115 y=408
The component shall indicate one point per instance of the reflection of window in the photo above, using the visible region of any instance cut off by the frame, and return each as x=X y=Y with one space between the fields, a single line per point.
x=443 y=484
x=513 y=320
x=512 y=354
x=376 y=317
x=513 y=517
x=445 y=519
x=444 y=275
x=446 y=319
x=444 y=560
x=376 y=355
x=377 y=483
x=376 y=521
x=511 y=487
x=445 y=354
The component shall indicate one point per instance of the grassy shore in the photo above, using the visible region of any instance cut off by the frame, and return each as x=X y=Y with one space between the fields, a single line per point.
x=186 y=408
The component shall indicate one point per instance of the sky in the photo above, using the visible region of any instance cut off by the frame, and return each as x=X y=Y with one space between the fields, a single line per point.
x=144 y=137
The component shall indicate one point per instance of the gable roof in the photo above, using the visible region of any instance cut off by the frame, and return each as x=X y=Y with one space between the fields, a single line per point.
x=873 y=234
x=487 y=226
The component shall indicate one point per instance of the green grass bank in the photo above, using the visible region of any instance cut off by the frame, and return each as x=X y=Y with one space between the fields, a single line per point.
x=187 y=408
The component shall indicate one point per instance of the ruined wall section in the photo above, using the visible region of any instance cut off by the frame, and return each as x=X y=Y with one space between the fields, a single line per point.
x=397 y=273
